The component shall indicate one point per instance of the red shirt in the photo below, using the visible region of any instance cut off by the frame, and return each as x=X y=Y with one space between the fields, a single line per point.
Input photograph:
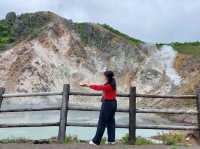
x=108 y=92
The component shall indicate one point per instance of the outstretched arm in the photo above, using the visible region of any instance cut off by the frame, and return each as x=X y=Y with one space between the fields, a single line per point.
x=100 y=87
x=97 y=87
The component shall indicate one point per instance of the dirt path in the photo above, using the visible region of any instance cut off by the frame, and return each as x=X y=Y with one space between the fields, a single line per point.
x=86 y=146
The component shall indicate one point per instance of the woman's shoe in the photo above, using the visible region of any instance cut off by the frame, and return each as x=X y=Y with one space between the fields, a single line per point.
x=92 y=143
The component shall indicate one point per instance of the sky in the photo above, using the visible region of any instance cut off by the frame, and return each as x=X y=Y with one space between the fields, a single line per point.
x=148 y=20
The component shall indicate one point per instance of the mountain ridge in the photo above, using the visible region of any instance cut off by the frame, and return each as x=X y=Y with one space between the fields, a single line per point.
x=32 y=23
x=12 y=18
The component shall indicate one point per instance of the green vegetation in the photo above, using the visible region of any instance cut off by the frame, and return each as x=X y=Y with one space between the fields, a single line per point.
x=14 y=140
x=5 y=34
x=68 y=139
x=30 y=25
x=172 y=138
x=130 y=39
x=71 y=139
x=139 y=140
x=173 y=147
x=26 y=26
x=192 y=48
x=103 y=140
x=142 y=141
x=92 y=34
x=81 y=28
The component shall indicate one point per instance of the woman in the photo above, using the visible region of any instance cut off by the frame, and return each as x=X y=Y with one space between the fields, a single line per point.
x=108 y=108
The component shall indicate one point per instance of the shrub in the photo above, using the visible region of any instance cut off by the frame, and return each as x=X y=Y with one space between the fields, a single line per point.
x=14 y=140
x=192 y=48
x=5 y=34
x=172 y=138
x=130 y=39
x=139 y=140
x=71 y=139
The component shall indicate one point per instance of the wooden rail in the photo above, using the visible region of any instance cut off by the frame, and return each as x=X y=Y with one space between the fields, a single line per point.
x=132 y=111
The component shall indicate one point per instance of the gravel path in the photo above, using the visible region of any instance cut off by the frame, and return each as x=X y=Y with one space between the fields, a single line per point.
x=86 y=146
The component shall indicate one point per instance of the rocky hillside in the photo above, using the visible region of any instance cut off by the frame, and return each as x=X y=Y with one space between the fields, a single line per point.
x=42 y=51
x=188 y=65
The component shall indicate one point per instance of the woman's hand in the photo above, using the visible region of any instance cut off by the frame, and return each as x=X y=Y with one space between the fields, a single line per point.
x=84 y=84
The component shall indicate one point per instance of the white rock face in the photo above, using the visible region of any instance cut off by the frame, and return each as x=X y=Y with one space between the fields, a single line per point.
x=167 y=57
x=157 y=74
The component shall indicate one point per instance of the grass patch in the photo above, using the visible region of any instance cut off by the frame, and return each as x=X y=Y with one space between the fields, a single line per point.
x=103 y=140
x=139 y=140
x=5 y=34
x=71 y=139
x=93 y=35
x=191 y=48
x=14 y=140
x=130 y=39
x=68 y=139
x=172 y=138
x=81 y=28
x=24 y=27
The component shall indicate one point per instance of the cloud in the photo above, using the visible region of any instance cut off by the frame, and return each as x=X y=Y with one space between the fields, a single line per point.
x=151 y=21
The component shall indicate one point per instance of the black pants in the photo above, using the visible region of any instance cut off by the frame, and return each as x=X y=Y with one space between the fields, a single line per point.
x=106 y=119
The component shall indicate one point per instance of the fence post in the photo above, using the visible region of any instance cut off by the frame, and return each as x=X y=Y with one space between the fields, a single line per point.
x=2 y=90
x=132 y=116
x=198 y=110
x=63 y=113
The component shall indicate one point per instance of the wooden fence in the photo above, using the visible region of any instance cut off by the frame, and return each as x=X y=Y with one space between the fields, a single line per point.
x=132 y=110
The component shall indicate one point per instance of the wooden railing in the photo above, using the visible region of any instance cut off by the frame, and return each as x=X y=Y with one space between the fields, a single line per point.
x=132 y=110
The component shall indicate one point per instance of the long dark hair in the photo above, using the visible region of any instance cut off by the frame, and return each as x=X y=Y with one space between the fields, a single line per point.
x=110 y=79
